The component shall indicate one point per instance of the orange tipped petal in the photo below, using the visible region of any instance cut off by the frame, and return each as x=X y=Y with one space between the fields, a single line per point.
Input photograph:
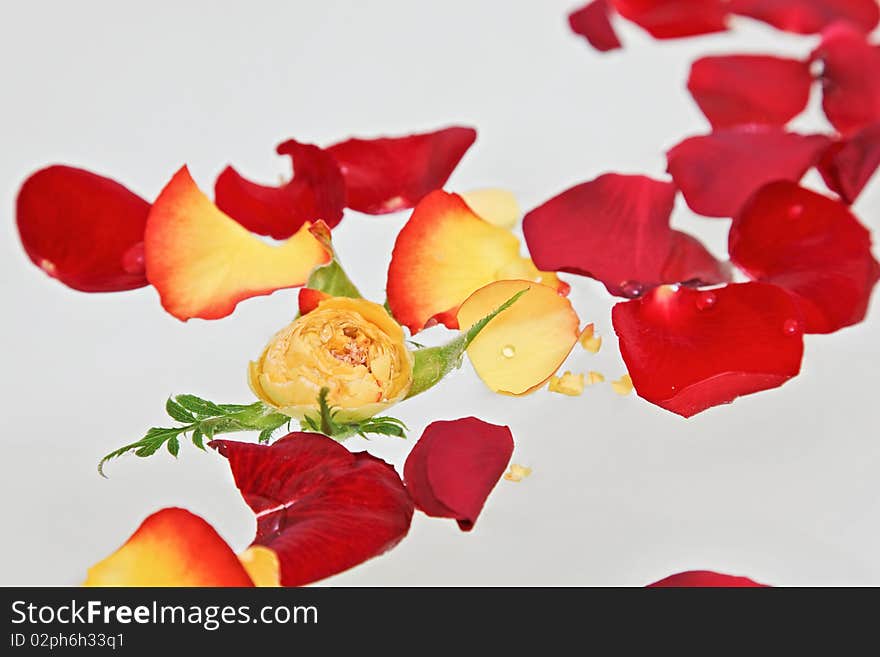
x=443 y=254
x=172 y=547
x=497 y=206
x=523 y=346
x=203 y=263
x=309 y=299
x=262 y=564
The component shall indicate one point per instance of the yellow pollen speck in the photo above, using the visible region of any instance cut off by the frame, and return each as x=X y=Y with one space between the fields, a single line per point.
x=567 y=384
x=517 y=472
x=589 y=340
x=594 y=378
x=623 y=385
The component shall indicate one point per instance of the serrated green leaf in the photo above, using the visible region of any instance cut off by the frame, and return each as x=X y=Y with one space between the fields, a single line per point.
x=197 y=439
x=173 y=446
x=178 y=412
x=265 y=436
x=199 y=406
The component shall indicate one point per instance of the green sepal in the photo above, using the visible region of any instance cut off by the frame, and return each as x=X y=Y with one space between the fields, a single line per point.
x=433 y=363
x=325 y=422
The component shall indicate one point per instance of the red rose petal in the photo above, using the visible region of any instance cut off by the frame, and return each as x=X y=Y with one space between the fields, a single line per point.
x=849 y=164
x=309 y=299
x=671 y=19
x=455 y=465
x=809 y=16
x=321 y=508
x=850 y=79
x=394 y=173
x=593 y=22
x=718 y=172
x=688 y=350
x=83 y=229
x=813 y=247
x=616 y=229
x=705 y=578
x=737 y=89
x=691 y=263
x=316 y=191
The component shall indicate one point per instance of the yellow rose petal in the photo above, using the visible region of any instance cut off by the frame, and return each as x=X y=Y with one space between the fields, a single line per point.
x=623 y=385
x=567 y=384
x=517 y=472
x=497 y=206
x=262 y=564
x=594 y=378
x=519 y=350
x=589 y=340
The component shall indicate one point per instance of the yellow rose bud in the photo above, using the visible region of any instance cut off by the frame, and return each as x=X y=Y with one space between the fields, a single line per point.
x=352 y=347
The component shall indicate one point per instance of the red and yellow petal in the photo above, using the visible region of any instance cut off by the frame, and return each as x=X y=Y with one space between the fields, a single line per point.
x=687 y=350
x=203 y=263
x=497 y=206
x=519 y=350
x=388 y=174
x=262 y=566
x=83 y=229
x=443 y=254
x=172 y=547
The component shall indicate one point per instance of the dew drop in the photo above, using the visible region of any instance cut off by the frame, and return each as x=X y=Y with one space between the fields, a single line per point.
x=791 y=327
x=706 y=300
x=508 y=351
x=632 y=289
x=133 y=259
x=795 y=211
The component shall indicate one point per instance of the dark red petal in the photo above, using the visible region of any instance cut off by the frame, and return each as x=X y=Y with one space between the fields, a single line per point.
x=671 y=19
x=705 y=578
x=690 y=262
x=316 y=191
x=321 y=508
x=736 y=89
x=718 y=172
x=850 y=79
x=455 y=465
x=615 y=229
x=848 y=164
x=809 y=16
x=83 y=229
x=688 y=350
x=811 y=246
x=593 y=22
x=394 y=173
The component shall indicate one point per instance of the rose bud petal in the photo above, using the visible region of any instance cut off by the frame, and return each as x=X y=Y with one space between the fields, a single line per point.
x=85 y=230
x=809 y=16
x=671 y=19
x=718 y=172
x=850 y=79
x=848 y=164
x=351 y=347
x=497 y=206
x=736 y=89
x=688 y=350
x=444 y=253
x=316 y=191
x=520 y=349
x=394 y=173
x=203 y=263
x=319 y=507
x=309 y=299
x=813 y=247
x=705 y=578
x=593 y=22
x=172 y=547
x=455 y=465
x=616 y=229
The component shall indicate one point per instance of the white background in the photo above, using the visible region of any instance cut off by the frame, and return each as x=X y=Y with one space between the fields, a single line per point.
x=782 y=486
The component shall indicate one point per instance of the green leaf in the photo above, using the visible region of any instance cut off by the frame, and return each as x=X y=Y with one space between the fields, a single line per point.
x=265 y=435
x=433 y=363
x=331 y=279
x=201 y=407
x=197 y=439
x=173 y=446
x=178 y=412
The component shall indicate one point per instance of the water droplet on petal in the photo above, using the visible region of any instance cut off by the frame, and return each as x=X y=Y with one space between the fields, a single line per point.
x=508 y=351
x=133 y=259
x=791 y=327
x=706 y=300
x=795 y=211
x=632 y=289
